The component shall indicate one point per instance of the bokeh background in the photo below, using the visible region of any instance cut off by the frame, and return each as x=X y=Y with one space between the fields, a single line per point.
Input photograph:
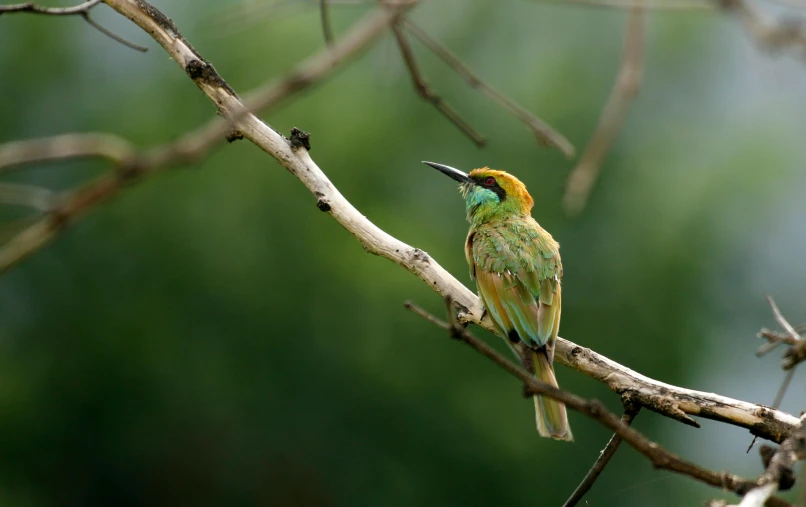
x=210 y=338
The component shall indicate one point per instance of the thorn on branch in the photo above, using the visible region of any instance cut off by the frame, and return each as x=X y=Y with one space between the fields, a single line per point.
x=300 y=139
x=234 y=135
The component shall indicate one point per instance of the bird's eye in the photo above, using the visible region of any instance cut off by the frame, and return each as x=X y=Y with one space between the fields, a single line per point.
x=489 y=181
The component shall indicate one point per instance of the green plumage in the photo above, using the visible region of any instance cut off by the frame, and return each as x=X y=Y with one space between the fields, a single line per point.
x=517 y=268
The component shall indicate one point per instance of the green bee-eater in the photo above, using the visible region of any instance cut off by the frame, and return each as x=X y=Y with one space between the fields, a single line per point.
x=517 y=268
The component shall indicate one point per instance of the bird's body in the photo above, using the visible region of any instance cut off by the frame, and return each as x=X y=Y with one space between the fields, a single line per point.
x=517 y=268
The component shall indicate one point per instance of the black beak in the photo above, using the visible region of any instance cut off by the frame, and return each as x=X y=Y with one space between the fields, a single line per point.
x=451 y=172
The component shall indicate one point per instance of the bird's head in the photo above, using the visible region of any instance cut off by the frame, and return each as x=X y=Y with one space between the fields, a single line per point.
x=489 y=194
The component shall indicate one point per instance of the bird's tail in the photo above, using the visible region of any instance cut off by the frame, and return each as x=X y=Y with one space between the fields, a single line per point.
x=552 y=419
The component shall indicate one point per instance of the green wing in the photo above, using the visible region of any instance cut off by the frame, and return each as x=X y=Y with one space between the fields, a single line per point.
x=519 y=281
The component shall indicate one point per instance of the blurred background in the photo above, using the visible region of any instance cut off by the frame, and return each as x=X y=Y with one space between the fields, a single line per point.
x=210 y=338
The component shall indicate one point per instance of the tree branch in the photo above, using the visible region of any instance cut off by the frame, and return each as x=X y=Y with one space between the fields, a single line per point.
x=427 y=94
x=630 y=411
x=658 y=456
x=779 y=473
x=666 y=399
x=544 y=132
x=82 y=10
x=676 y=402
x=768 y=34
x=324 y=13
x=65 y=147
x=76 y=10
x=192 y=146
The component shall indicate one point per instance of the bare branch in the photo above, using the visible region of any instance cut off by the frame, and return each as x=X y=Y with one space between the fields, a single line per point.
x=543 y=131
x=52 y=11
x=113 y=35
x=64 y=147
x=309 y=72
x=324 y=10
x=82 y=10
x=797 y=345
x=660 y=457
x=427 y=94
x=190 y=146
x=768 y=34
x=782 y=390
x=676 y=402
x=666 y=399
x=779 y=473
x=656 y=5
x=779 y=318
x=774 y=338
x=625 y=88
x=38 y=198
x=601 y=462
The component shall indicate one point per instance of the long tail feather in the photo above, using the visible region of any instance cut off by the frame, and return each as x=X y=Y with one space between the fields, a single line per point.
x=551 y=416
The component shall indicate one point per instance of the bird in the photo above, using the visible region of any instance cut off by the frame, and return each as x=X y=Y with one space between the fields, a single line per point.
x=517 y=268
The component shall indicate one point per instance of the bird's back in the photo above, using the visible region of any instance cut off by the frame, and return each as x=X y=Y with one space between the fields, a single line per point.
x=517 y=268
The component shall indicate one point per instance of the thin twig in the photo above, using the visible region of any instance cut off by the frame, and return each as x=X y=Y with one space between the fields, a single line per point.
x=779 y=318
x=658 y=456
x=797 y=350
x=792 y=338
x=38 y=198
x=601 y=462
x=779 y=473
x=51 y=11
x=188 y=148
x=82 y=10
x=544 y=132
x=774 y=338
x=768 y=34
x=327 y=30
x=63 y=147
x=112 y=35
x=666 y=399
x=625 y=88
x=672 y=5
x=784 y=386
x=427 y=94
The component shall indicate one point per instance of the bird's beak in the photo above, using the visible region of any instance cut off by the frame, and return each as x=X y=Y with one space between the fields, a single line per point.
x=451 y=172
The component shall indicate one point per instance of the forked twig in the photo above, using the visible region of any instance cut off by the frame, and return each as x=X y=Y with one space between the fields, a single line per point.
x=543 y=131
x=424 y=91
x=130 y=164
x=792 y=357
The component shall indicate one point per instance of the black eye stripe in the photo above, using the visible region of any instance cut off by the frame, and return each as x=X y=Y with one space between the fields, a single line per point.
x=495 y=187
